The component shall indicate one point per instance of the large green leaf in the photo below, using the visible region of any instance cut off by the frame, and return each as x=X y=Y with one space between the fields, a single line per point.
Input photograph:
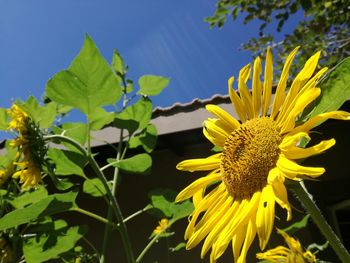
x=67 y=162
x=42 y=115
x=87 y=84
x=335 y=90
x=138 y=164
x=94 y=187
x=29 y=197
x=147 y=139
x=152 y=85
x=135 y=117
x=100 y=118
x=50 y=205
x=52 y=239
x=74 y=130
x=163 y=205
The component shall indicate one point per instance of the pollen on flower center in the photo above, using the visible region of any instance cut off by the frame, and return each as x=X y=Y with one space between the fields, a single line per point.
x=250 y=152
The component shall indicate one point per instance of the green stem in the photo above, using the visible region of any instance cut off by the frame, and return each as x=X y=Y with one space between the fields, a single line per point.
x=108 y=229
x=108 y=165
x=306 y=199
x=151 y=243
x=92 y=215
x=135 y=214
x=122 y=227
x=88 y=136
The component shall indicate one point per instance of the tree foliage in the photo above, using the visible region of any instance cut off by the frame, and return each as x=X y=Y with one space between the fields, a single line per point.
x=325 y=26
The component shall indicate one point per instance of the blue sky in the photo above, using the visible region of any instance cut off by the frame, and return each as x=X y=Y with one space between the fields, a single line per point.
x=160 y=37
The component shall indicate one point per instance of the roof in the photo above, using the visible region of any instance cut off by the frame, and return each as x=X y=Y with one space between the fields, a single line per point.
x=176 y=118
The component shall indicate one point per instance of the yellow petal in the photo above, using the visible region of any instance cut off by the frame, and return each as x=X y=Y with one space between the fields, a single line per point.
x=214 y=140
x=217 y=229
x=243 y=77
x=197 y=185
x=281 y=87
x=215 y=130
x=303 y=100
x=281 y=197
x=236 y=101
x=250 y=235
x=290 y=167
x=318 y=119
x=198 y=197
x=303 y=76
x=237 y=241
x=224 y=116
x=209 y=203
x=292 y=140
x=300 y=153
x=249 y=211
x=202 y=164
x=265 y=215
x=268 y=77
x=256 y=89
x=217 y=219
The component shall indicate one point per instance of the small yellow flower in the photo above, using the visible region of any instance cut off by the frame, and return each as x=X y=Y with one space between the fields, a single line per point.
x=29 y=172
x=236 y=201
x=293 y=254
x=163 y=224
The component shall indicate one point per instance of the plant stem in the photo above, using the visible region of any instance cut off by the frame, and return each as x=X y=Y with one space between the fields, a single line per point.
x=119 y=156
x=306 y=199
x=92 y=215
x=151 y=243
x=135 y=214
x=88 y=136
x=122 y=227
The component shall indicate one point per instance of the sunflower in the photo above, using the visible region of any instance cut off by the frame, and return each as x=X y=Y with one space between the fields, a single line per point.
x=236 y=200
x=30 y=147
x=293 y=254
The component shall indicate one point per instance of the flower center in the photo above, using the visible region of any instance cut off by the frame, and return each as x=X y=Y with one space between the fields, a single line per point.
x=250 y=152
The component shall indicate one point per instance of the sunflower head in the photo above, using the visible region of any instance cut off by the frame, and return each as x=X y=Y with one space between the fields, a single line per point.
x=294 y=253
x=30 y=144
x=260 y=150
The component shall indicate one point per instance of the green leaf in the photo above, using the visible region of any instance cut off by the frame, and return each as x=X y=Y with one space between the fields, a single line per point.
x=29 y=197
x=118 y=64
x=42 y=115
x=67 y=162
x=94 y=187
x=87 y=84
x=178 y=247
x=50 y=205
x=147 y=139
x=163 y=203
x=297 y=225
x=129 y=86
x=152 y=85
x=135 y=117
x=100 y=118
x=54 y=239
x=138 y=164
x=74 y=130
x=3 y=119
x=335 y=90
